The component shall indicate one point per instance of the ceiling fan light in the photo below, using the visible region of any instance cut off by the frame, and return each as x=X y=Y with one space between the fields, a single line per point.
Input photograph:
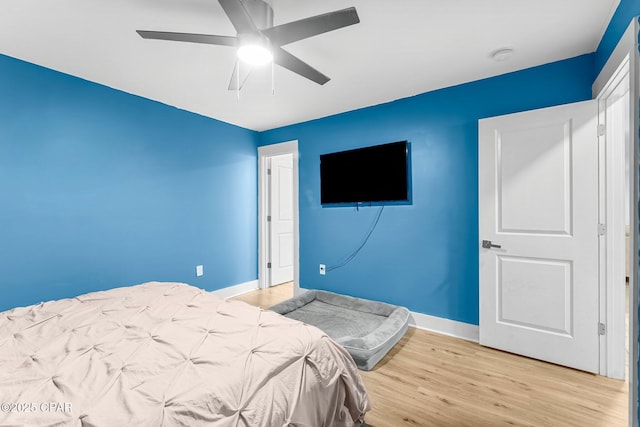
x=254 y=54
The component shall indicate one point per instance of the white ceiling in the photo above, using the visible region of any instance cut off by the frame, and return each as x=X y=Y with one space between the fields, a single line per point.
x=400 y=48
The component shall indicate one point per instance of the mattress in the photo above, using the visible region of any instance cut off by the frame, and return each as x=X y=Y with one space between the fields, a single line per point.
x=169 y=354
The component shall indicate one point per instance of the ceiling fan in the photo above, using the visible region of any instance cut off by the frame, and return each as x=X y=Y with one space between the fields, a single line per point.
x=259 y=42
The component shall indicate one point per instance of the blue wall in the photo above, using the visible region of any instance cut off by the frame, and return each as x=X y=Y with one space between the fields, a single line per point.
x=425 y=255
x=100 y=189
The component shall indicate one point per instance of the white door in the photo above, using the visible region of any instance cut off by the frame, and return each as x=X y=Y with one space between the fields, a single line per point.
x=281 y=213
x=538 y=199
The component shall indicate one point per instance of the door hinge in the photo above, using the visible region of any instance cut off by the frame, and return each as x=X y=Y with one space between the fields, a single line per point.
x=268 y=265
x=602 y=229
x=602 y=328
x=268 y=218
x=268 y=171
x=601 y=130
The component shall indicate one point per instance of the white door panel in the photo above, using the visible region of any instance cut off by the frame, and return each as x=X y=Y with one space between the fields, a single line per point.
x=538 y=198
x=535 y=293
x=535 y=199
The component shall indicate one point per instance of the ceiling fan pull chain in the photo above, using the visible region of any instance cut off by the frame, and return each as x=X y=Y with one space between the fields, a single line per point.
x=238 y=79
x=273 y=81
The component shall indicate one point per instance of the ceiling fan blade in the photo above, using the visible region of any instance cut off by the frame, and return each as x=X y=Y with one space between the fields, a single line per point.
x=188 y=37
x=239 y=76
x=239 y=16
x=293 y=31
x=292 y=63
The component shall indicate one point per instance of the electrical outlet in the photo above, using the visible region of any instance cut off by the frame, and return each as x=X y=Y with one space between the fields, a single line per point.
x=199 y=270
x=323 y=269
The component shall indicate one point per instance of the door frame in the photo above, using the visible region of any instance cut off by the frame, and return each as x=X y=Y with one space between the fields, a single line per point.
x=612 y=245
x=264 y=154
x=627 y=49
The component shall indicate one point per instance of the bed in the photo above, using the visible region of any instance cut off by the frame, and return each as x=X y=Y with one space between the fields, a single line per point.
x=169 y=354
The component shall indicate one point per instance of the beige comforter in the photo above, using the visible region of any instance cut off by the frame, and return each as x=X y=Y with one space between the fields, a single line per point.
x=169 y=354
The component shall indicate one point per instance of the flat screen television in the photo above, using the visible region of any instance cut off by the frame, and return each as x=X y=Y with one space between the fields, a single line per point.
x=372 y=174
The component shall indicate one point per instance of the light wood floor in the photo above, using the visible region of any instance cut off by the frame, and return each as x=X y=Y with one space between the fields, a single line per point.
x=429 y=379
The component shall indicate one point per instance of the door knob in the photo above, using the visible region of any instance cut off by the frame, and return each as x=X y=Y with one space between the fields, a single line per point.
x=488 y=245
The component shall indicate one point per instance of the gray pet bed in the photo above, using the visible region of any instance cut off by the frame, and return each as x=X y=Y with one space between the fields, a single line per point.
x=366 y=329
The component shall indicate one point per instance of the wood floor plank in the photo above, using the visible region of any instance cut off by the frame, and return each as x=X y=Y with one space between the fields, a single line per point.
x=265 y=298
x=429 y=379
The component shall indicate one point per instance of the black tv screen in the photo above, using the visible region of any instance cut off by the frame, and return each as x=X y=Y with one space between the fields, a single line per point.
x=371 y=174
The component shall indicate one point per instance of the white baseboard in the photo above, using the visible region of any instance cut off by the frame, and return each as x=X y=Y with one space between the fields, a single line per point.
x=452 y=328
x=440 y=325
x=235 y=290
